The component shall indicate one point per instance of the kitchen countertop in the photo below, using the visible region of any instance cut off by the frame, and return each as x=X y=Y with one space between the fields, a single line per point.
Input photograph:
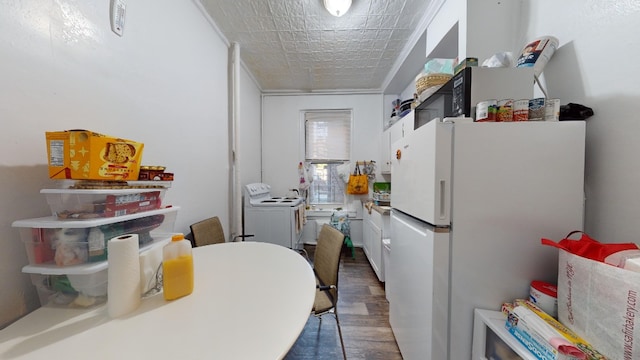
x=384 y=210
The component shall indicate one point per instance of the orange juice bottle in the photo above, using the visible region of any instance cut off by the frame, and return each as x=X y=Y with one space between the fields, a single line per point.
x=177 y=268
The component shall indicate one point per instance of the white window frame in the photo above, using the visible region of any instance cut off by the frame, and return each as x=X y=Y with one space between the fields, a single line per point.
x=311 y=162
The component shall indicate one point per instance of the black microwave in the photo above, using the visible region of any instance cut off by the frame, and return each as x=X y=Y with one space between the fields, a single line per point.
x=458 y=96
x=437 y=105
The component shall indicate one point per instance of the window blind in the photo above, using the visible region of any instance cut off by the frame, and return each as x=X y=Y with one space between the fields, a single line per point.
x=328 y=135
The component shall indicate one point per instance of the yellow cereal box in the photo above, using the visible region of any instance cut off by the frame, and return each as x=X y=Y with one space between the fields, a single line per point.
x=86 y=155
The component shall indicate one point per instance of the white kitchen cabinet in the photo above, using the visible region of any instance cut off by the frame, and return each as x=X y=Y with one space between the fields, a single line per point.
x=366 y=233
x=385 y=149
x=398 y=130
x=375 y=227
x=459 y=29
x=375 y=258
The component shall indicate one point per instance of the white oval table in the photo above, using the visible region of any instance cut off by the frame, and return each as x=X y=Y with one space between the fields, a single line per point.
x=251 y=300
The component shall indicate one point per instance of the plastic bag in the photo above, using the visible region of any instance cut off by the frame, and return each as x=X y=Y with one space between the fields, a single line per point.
x=344 y=172
x=598 y=301
x=439 y=66
x=499 y=60
x=592 y=249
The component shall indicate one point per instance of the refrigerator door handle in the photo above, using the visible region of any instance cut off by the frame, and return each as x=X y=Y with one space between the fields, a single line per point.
x=443 y=203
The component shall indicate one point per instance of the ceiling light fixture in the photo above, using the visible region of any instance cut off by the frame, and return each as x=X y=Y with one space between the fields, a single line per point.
x=337 y=7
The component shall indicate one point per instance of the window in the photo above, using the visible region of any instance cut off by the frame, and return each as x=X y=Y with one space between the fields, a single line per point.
x=327 y=146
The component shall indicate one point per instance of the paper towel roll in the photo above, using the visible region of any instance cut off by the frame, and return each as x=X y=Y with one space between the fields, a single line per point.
x=123 y=275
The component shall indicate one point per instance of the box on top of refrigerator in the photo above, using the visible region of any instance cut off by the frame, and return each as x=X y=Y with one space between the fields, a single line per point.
x=87 y=155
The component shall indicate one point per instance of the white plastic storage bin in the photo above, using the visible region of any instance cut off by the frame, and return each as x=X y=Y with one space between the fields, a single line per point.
x=86 y=285
x=111 y=184
x=71 y=290
x=82 y=204
x=52 y=242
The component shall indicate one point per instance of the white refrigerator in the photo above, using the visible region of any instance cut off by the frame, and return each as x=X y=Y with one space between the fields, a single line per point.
x=471 y=202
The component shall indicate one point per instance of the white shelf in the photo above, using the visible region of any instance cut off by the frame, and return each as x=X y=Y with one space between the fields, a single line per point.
x=52 y=222
x=135 y=184
x=125 y=191
x=495 y=321
x=89 y=268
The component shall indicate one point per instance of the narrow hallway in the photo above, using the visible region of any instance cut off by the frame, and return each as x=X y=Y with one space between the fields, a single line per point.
x=364 y=318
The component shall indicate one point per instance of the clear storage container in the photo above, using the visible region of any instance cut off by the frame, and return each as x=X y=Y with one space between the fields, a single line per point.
x=71 y=290
x=82 y=204
x=51 y=242
x=81 y=285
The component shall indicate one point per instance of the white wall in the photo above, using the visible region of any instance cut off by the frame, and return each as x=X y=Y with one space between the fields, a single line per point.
x=283 y=139
x=249 y=128
x=283 y=132
x=163 y=83
x=594 y=67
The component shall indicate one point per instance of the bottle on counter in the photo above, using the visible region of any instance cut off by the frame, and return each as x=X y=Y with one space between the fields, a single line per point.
x=177 y=268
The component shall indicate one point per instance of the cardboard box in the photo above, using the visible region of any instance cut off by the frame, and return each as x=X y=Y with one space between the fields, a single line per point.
x=118 y=205
x=86 y=155
x=468 y=62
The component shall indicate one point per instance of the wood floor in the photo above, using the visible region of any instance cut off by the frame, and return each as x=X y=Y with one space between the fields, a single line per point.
x=364 y=318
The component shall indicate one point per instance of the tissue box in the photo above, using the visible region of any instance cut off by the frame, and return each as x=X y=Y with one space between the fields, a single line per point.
x=81 y=154
x=467 y=62
x=63 y=243
x=90 y=204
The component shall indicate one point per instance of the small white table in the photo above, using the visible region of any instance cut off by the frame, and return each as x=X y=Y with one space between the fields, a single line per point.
x=251 y=300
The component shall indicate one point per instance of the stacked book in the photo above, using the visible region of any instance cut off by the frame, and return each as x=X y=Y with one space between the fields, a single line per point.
x=544 y=336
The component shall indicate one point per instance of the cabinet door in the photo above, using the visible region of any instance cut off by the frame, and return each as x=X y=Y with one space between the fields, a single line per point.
x=396 y=131
x=376 y=251
x=401 y=128
x=381 y=221
x=366 y=234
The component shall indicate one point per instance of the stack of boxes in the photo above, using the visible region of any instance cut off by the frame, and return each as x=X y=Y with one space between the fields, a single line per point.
x=67 y=251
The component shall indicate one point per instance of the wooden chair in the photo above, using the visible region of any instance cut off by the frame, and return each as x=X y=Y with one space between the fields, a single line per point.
x=326 y=263
x=208 y=231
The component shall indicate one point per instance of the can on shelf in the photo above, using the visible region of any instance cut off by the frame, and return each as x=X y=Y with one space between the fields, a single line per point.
x=486 y=110
x=505 y=110
x=521 y=110
x=545 y=296
x=536 y=109
x=552 y=110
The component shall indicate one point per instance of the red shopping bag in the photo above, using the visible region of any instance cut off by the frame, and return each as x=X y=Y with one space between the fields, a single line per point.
x=588 y=247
